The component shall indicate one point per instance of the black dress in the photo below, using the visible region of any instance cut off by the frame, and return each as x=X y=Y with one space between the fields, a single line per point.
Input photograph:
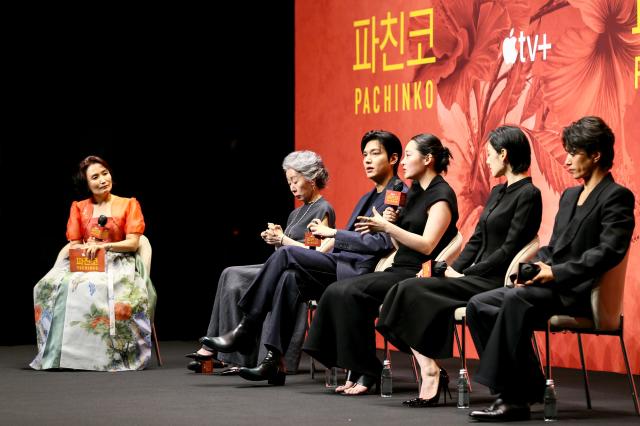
x=418 y=312
x=342 y=332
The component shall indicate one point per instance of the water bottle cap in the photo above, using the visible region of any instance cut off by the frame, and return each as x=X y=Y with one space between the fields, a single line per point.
x=387 y=362
x=549 y=382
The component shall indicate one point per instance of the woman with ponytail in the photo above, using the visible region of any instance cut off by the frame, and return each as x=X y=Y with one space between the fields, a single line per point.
x=417 y=314
x=342 y=332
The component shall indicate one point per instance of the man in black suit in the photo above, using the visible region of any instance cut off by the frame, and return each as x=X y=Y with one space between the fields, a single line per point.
x=591 y=234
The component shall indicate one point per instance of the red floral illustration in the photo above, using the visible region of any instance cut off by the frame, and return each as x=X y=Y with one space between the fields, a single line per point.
x=588 y=73
x=99 y=320
x=123 y=311
x=38 y=312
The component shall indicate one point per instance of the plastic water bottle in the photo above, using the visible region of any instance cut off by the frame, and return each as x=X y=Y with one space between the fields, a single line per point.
x=463 y=389
x=386 y=381
x=331 y=377
x=550 y=402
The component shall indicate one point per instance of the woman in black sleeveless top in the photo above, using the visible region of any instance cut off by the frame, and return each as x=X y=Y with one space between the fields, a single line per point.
x=417 y=314
x=342 y=332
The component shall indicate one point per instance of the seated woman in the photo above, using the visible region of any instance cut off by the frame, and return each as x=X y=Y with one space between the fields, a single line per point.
x=418 y=313
x=306 y=175
x=76 y=325
x=342 y=332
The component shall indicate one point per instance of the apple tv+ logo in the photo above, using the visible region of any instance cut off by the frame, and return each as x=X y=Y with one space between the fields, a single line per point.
x=510 y=52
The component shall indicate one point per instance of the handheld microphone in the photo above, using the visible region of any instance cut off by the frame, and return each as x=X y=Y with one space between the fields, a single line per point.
x=99 y=232
x=395 y=197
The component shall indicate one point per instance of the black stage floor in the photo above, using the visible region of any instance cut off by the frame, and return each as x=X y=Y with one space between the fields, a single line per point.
x=172 y=395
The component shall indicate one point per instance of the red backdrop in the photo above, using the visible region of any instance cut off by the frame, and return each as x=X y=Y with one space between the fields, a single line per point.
x=458 y=69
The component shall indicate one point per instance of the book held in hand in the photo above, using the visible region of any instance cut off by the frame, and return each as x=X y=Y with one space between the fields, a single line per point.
x=79 y=262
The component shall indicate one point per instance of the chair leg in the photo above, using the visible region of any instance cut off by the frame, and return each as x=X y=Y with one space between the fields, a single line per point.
x=312 y=368
x=455 y=333
x=632 y=384
x=547 y=331
x=416 y=373
x=463 y=354
x=534 y=338
x=587 y=394
x=155 y=344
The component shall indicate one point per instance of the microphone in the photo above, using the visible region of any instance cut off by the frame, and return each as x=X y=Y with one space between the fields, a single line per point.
x=395 y=197
x=99 y=232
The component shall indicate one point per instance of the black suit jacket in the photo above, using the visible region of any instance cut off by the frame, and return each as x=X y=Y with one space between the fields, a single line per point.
x=588 y=243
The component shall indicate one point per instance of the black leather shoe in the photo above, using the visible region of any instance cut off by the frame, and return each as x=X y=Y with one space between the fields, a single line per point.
x=501 y=411
x=195 y=366
x=268 y=369
x=240 y=339
x=199 y=357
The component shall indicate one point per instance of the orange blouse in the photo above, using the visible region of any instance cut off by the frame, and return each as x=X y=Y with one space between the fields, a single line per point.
x=126 y=218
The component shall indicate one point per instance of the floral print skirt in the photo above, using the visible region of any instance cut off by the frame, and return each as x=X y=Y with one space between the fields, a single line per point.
x=95 y=320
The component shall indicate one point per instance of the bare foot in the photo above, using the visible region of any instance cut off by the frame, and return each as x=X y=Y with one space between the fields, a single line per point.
x=356 y=389
x=347 y=385
x=429 y=386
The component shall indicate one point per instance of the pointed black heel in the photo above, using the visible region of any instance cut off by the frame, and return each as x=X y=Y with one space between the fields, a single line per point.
x=443 y=387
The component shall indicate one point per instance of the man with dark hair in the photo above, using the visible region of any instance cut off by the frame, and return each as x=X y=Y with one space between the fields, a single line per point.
x=294 y=274
x=591 y=234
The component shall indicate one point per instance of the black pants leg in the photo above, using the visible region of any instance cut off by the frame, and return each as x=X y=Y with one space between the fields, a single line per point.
x=501 y=323
x=289 y=274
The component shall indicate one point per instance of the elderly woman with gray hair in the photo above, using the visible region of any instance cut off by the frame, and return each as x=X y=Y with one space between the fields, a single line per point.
x=306 y=176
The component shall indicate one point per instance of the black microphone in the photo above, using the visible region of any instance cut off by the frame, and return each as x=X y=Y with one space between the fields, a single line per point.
x=395 y=197
x=102 y=220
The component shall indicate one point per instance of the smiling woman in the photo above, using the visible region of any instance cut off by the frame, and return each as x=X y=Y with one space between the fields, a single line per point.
x=97 y=320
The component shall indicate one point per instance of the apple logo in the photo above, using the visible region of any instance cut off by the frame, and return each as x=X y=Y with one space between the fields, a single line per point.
x=509 y=51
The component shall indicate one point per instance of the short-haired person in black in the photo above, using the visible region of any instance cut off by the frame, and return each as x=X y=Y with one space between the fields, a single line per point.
x=591 y=234
x=418 y=314
x=294 y=274
x=342 y=333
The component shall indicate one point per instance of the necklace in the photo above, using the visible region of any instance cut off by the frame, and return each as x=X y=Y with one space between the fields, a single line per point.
x=289 y=229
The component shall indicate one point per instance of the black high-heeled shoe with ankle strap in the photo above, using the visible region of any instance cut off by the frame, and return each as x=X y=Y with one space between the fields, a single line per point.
x=443 y=387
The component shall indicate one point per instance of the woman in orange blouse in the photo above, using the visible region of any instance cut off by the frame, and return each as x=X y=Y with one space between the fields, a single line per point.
x=97 y=320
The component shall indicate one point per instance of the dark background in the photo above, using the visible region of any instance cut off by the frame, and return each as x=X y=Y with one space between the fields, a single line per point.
x=193 y=109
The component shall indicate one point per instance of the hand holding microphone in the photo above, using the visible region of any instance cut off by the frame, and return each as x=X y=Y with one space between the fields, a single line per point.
x=395 y=198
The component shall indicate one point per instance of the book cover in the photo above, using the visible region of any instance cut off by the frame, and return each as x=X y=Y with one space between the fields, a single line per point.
x=79 y=262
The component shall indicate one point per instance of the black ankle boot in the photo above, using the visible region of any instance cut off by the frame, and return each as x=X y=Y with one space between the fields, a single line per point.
x=268 y=369
x=241 y=339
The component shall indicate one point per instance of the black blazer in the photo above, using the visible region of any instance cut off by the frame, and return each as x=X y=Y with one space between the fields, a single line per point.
x=588 y=243
x=510 y=220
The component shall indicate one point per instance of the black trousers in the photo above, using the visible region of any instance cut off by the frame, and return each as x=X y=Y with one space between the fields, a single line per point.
x=289 y=276
x=418 y=313
x=502 y=322
x=342 y=333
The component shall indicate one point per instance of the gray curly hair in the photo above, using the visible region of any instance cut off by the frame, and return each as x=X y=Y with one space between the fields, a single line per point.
x=309 y=165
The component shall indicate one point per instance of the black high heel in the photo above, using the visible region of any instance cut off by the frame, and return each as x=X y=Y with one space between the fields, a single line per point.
x=268 y=369
x=443 y=387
